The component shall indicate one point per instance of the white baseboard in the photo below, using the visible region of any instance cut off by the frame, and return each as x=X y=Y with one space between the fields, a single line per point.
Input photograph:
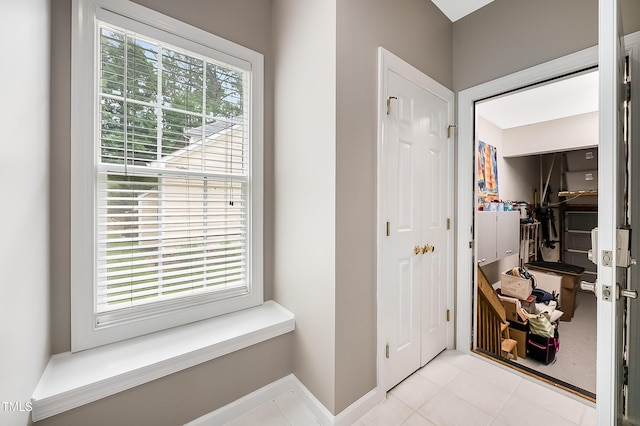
x=355 y=411
x=291 y=383
x=348 y=416
x=245 y=404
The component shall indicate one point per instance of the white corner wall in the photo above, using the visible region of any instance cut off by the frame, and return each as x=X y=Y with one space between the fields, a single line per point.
x=564 y=134
x=24 y=216
x=518 y=176
x=511 y=186
x=304 y=43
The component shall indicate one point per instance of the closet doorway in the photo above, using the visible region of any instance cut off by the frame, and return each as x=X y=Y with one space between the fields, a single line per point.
x=611 y=360
x=536 y=162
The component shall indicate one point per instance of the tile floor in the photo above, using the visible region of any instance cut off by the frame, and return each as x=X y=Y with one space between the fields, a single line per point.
x=285 y=410
x=454 y=389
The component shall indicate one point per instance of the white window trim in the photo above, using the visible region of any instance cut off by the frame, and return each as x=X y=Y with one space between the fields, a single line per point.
x=83 y=115
x=71 y=380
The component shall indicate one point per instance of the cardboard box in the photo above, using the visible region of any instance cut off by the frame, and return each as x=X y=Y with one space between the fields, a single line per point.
x=585 y=180
x=513 y=286
x=519 y=336
x=514 y=315
x=584 y=159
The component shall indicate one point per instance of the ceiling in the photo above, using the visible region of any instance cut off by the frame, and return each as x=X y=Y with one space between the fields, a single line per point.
x=564 y=98
x=456 y=9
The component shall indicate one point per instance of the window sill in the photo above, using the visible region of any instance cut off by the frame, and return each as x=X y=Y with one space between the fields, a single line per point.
x=71 y=380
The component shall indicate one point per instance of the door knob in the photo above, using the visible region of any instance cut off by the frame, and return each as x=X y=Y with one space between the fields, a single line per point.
x=417 y=250
x=631 y=294
x=428 y=249
x=622 y=292
x=587 y=286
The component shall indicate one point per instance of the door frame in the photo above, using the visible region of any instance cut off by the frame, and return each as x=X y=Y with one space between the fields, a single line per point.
x=465 y=187
x=465 y=173
x=387 y=61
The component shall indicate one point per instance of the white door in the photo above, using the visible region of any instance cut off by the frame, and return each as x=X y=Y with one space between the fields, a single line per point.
x=435 y=175
x=612 y=214
x=415 y=261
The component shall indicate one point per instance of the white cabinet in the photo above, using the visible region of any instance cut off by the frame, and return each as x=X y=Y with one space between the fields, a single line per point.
x=508 y=234
x=486 y=242
x=497 y=235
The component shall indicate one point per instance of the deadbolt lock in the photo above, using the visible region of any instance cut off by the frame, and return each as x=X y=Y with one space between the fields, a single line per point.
x=606 y=293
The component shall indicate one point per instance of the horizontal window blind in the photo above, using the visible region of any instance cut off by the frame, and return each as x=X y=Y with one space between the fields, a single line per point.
x=172 y=175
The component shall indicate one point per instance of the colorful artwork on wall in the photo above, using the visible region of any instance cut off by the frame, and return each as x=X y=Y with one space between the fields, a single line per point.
x=487 y=172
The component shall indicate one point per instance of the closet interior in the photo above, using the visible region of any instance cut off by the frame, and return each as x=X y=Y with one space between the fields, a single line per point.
x=536 y=204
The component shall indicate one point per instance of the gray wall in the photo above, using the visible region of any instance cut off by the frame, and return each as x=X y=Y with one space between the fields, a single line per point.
x=511 y=35
x=325 y=141
x=304 y=48
x=182 y=397
x=329 y=286
x=189 y=394
x=60 y=177
x=24 y=216
x=226 y=18
x=420 y=34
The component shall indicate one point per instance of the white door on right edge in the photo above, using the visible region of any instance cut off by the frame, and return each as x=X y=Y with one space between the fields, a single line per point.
x=612 y=215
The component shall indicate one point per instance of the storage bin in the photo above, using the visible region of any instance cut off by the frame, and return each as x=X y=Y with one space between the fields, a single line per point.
x=580 y=258
x=578 y=240
x=513 y=286
x=583 y=159
x=586 y=180
x=571 y=276
x=581 y=221
x=543 y=349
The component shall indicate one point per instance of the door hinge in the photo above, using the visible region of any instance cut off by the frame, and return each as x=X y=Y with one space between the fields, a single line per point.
x=386 y=351
x=448 y=223
x=625 y=375
x=388 y=229
x=389 y=104
x=449 y=127
x=627 y=91
x=448 y=315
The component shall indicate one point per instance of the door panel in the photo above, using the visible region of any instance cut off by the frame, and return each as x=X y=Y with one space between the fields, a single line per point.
x=633 y=132
x=433 y=188
x=402 y=281
x=416 y=178
x=405 y=186
x=405 y=304
x=434 y=301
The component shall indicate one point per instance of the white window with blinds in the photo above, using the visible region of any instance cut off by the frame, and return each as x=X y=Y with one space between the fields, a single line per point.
x=167 y=153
